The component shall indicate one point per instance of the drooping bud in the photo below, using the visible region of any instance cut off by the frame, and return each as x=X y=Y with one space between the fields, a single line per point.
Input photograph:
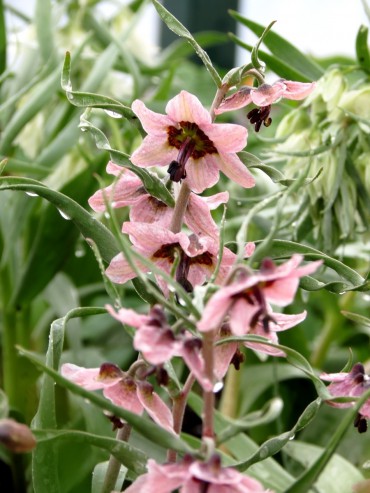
x=16 y=437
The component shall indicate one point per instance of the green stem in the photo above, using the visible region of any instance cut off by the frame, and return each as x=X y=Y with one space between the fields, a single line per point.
x=114 y=465
x=326 y=338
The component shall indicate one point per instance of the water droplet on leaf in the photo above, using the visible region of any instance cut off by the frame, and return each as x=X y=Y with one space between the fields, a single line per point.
x=32 y=194
x=64 y=215
x=113 y=114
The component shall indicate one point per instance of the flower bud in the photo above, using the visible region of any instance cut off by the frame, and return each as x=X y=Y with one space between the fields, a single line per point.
x=15 y=436
x=357 y=102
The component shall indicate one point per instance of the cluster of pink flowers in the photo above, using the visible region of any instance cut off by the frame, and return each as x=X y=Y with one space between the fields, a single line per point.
x=194 y=150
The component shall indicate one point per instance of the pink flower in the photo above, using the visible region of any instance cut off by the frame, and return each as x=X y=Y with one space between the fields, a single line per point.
x=193 y=148
x=129 y=191
x=263 y=97
x=246 y=300
x=157 y=342
x=154 y=337
x=352 y=384
x=122 y=389
x=191 y=476
x=198 y=255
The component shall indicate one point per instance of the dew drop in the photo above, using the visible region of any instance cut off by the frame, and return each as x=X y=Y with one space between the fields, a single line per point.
x=64 y=215
x=366 y=465
x=107 y=215
x=217 y=387
x=70 y=96
x=113 y=114
x=32 y=194
x=292 y=437
x=83 y=129
x=80 y=252
x=182 y=302
x=239 y=203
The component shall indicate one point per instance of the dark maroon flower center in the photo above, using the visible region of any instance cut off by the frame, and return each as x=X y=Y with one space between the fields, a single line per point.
x=182 y=271
x=257 y=116
x=191 y=142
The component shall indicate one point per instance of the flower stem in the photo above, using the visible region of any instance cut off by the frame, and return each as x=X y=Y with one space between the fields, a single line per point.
x=178 y=411
x=209 y=396
x=180 y=208
x=114 y=465
x=219 y=96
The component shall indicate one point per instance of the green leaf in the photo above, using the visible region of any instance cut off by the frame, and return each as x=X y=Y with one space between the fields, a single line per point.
x=85 y=222
x=133 y=458
x=175 y=25
x=252 y=161
x=89 y=99
x=45 y=31
x=4 y=405
x=362 y=49
x=355 y=317
x=98 y=477
x=2 y=39
x=274 y=64
x=142 y=425
x=339 y=474
x=310 y=476
x=45 y=457
x=283 y=50
x=152 y=184
x=40 y=98
x=270 y=411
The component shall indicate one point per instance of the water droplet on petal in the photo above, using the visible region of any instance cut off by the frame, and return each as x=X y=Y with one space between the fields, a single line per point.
x=64 y=215
x=32 y=194
x=113 y=114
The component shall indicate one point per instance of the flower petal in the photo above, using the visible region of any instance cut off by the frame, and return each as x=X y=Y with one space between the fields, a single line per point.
x=236 y=101
x=298 y=90
x=234 y=169
x=266 y=94
x=84 y=377
x=153 y=123
x=120 y=271
x=154 y=151
x=128 y=316
x=154 y=406
x=227 y=137
x=187 y=107
x=202 y=173
x=123 y=394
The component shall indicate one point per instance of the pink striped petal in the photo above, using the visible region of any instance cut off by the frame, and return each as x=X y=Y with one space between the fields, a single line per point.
x=187 y=107
x=154 y=406
x=153 y=123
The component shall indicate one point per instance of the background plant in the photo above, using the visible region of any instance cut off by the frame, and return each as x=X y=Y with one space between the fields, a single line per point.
x=48 y=272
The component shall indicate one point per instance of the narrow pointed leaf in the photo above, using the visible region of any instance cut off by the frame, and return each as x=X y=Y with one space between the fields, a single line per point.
x=152 y=184
x=175 y=25
x=85 y=222
x=282 y=49
x=362 y=49
x=142 y=425
x=133 y=458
